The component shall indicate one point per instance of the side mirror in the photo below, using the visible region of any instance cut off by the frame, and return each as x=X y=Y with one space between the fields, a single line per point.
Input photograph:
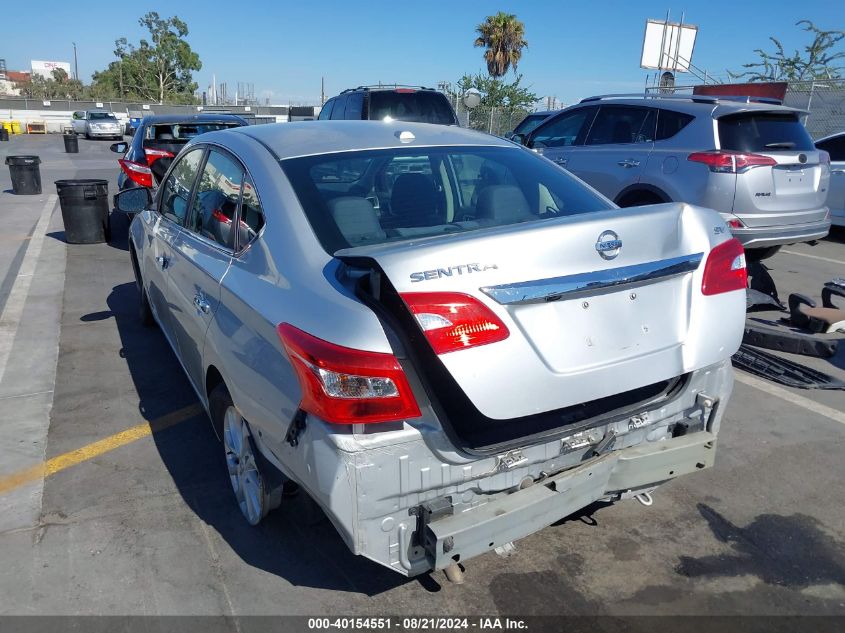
x=132 y=200
x=119 y=148
x=519 y=138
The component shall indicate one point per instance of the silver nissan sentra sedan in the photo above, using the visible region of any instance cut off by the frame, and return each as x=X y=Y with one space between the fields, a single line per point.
x=445 y=339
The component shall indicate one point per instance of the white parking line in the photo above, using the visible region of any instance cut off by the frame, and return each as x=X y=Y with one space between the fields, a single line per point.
x=13 y=309
x=801 y=401
x=821 y=259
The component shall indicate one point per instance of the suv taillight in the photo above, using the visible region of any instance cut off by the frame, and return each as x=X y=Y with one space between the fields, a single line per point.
x=154 y=154
x=347 y=386
x=729 y=162
x=453 y=321
x=725 y=269
x=137 y=172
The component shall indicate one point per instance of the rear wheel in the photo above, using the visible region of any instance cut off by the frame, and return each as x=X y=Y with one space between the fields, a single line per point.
x=248 y=484
x=640 y=198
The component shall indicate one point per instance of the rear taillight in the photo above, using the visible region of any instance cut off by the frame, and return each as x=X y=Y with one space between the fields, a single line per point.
x=154 y=154
x=405 y=90
x=735 y=223
x=347 y=386
x=728 y=162
x=725 y=269
x=138 y=173
x=453 y=321
x=218 y=215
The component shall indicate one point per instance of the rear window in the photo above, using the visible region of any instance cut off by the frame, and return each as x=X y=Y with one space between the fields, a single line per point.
x=763 y=132
x=377 y=196
x=422 y=106
x=184 y=132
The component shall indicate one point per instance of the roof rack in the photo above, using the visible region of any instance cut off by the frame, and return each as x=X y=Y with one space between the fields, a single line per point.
x=690 y=97
x=386 y=86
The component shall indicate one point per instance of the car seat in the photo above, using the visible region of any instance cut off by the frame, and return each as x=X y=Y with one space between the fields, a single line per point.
x=356 y=219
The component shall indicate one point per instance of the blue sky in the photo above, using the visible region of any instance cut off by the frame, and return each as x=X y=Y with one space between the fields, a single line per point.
x=575 y=48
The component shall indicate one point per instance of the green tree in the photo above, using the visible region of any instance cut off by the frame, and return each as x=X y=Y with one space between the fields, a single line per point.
x=57 y=86
x=503 y=35
x=817 y=61
x=502 y=104
x=157 y=69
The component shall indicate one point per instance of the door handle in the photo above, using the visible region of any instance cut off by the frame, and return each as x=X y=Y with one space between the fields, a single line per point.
x=560 y=161
x=162 y=261
x=837 y=171
x=201 y=304
x=628 y=163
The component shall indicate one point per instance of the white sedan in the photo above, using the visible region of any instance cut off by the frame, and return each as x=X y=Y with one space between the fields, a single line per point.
x=96 y=123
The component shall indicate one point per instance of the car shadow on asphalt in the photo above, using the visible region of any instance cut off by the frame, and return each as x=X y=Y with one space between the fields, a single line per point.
x=296 y=542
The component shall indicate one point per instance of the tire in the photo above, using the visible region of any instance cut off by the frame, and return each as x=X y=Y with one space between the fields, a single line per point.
x=145 y=312
x=241 y=455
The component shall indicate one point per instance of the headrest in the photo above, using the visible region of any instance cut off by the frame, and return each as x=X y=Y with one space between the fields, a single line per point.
x=356 y=219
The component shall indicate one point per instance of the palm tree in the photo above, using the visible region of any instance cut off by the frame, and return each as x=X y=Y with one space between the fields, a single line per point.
x=504 y=38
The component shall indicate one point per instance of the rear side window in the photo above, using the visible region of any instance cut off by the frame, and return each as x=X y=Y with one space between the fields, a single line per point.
x=423 y=106
x=216 y=200
x=251 y=215
x=670 y=123
x=404 y=193
x=354 y=106
x=835 y=147
x=622 y=125
x=764 y=132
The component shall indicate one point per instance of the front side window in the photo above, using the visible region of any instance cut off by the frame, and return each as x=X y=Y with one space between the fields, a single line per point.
x=404 y=193
x=176 y=190
x=622 y=125
x=564 y=130
x=216 y=201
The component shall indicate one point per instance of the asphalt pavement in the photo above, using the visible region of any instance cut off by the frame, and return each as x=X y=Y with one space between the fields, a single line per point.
x=98 y=515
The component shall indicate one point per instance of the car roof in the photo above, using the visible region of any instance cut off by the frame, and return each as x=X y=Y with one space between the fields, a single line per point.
x=193 y=118
x=305 y=138
x=830 y=136
x=718 y=107
x=387 y=89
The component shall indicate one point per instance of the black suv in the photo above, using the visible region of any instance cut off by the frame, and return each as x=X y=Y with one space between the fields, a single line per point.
x=399 y=103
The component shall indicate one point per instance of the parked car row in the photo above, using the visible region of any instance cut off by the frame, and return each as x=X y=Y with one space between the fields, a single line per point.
x=446 y=340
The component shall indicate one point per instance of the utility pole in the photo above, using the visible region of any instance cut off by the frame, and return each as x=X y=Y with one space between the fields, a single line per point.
x=75 y=64
x=322 y=91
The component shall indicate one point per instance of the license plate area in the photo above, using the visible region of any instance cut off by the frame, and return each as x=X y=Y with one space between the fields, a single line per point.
x=579 y=334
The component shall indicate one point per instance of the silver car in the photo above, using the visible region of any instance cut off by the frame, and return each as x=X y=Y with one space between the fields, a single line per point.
x=753 y=162
x=447 y=341
x=96 y=124
x=834 y=145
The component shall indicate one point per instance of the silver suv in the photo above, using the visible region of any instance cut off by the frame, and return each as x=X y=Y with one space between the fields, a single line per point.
x=753 y=162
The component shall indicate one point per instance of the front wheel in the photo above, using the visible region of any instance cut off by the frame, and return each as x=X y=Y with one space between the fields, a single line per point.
x=248 y=484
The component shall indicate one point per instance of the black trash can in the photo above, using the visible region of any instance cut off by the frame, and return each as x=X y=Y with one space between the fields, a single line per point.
x=25 y=173
x=85 y=210
x=4 y=134
x=71 y=144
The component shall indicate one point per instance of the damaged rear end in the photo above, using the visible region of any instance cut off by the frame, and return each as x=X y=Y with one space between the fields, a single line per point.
x=557 y=351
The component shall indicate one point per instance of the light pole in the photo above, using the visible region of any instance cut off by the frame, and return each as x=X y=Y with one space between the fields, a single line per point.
x=75 y=64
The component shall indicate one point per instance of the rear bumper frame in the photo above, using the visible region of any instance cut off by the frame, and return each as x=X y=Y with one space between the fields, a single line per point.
x=769 y=236
x=521 y=513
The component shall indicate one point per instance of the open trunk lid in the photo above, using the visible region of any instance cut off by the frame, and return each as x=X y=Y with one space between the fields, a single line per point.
x=594 y=305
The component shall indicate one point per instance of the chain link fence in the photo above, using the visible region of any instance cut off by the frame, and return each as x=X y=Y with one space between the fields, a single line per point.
x=825 y=102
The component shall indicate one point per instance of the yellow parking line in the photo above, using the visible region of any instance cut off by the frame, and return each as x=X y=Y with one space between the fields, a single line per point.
x=89 y=451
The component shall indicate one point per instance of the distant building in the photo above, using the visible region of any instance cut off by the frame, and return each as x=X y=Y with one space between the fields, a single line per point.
x=45 y=69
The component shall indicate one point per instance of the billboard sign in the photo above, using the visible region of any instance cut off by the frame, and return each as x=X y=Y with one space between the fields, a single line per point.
x=45 y=69
x=668 y=45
